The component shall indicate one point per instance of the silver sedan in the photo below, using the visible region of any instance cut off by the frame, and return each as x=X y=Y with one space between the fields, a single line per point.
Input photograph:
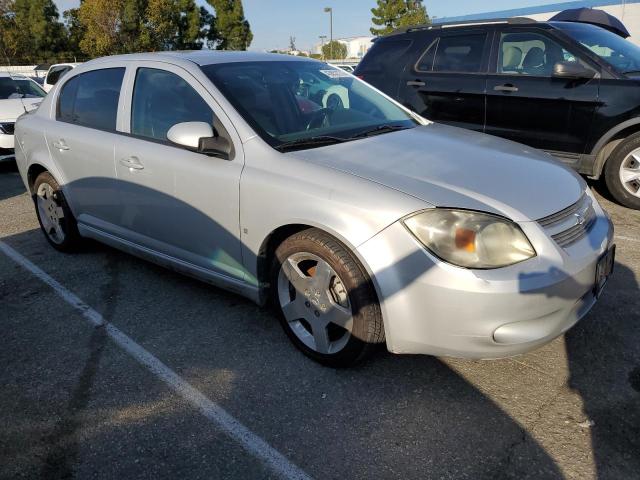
x=288 y=180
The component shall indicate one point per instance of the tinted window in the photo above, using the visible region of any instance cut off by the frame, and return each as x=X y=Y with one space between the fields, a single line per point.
x=56 y=73
x=162 y=99
x=530 y=53
x=425 y=64
x=91 y=99
x=382 y=54
x=16 y=87
x=460 y=53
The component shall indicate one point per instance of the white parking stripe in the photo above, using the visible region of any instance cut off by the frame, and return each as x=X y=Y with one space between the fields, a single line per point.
x=628 y=239
x=216 y=414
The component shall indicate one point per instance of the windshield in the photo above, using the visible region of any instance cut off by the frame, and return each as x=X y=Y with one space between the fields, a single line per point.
x=302 y=101
x=12 y=87
x=623 y=55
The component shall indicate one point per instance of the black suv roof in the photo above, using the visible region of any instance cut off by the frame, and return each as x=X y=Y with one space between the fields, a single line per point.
x=490 y=21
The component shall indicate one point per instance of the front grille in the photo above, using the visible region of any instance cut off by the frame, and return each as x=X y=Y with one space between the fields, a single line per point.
x=572 y=223
x=7 y=128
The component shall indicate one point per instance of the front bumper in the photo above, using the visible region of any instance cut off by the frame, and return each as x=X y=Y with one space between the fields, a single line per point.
x=431 y=307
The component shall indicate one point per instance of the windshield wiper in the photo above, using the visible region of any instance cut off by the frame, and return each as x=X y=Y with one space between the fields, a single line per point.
x=310 y=142
x=380 y=129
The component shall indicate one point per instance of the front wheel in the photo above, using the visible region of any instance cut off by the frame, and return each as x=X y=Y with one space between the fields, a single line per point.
x=55 y=217
x=329 y=308
x=622 y=172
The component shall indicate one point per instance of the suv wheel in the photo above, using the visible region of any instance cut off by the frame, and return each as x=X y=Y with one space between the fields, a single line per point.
x=56 y=220
x=329 y=308
x=622 y=172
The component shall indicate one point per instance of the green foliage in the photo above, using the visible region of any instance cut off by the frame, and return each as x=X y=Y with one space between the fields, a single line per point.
x=392 y=14
x=317 y=56
x=334 y=50
x=233 y=31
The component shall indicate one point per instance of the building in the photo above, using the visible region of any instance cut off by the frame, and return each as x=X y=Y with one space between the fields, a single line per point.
x=627 y=11
x=356 y=46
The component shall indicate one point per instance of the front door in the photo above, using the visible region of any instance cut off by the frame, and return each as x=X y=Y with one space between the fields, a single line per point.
x=527 y=104
x=176 y=201
x=447 y=83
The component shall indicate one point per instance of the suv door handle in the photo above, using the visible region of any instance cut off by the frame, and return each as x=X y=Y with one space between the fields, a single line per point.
x=132 y=162
x=505 y=88
x=415 y=83
x=60 y=145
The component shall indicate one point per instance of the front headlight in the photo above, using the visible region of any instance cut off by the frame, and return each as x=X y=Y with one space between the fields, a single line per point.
x=470 y=239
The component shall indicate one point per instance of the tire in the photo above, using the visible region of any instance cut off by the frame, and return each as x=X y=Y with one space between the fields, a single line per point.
x=330 y=286
x=54 y=215
x=621 y=160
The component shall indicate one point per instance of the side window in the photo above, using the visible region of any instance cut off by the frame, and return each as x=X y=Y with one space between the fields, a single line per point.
x=382 y=54
x=530 y=53
x=91 y=99
x=56 y=74
x=162 y=99
x=425 y=64
x=455 y=53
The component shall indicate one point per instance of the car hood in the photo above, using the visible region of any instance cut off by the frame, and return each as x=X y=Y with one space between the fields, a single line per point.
x=451 y=167
x=12 y=108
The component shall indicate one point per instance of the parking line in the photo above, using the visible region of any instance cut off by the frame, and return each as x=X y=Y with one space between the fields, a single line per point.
x=216 y=414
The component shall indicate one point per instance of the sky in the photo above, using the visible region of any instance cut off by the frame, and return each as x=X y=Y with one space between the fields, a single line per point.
x=274 y=21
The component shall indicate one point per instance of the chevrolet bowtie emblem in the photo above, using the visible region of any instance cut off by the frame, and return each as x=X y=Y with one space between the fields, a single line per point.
x=580 y=218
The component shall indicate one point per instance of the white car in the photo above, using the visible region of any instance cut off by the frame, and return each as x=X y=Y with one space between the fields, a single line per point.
x=55 y=73
x=18 y=94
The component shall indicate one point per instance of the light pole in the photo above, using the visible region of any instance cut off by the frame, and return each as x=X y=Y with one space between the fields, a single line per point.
x=322 y=39
x=329 y=10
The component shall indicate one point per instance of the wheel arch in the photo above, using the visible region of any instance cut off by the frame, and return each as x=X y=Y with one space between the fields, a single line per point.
x=278 y=235
x=33 y=171
x=609 y=141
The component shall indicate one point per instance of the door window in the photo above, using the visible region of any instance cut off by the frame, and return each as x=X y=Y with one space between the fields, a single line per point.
x=162 y=99
x=91 y=99
x=56 y=73
x=454 y=53
x=530 y=53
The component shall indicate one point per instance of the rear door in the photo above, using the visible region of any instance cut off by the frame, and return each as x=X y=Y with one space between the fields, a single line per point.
x=81 y=137
x=527 y=104
x=447 y=82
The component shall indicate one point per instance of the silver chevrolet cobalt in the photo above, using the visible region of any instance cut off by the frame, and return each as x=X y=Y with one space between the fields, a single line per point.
x=286 y=179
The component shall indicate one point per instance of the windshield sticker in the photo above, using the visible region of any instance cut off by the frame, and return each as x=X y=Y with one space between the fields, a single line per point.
x=337 y=73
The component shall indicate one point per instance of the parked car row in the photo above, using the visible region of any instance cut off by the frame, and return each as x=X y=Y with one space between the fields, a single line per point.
x=293 y=182
x=571 y=89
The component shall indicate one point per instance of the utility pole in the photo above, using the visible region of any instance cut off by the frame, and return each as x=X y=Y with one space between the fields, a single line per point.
x=329 y=10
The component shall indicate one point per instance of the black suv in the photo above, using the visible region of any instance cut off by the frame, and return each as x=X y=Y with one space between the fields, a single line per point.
x=571 y=89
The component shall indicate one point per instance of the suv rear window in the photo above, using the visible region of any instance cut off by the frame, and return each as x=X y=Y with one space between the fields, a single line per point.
x=383 y=54
x=454 y=53
x=91 y=99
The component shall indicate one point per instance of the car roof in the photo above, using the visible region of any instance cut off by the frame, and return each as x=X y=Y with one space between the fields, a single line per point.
x=204 y=57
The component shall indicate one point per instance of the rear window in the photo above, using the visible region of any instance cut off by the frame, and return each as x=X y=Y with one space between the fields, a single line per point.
x=56 y=73
x=383 y=54
x=91 y=99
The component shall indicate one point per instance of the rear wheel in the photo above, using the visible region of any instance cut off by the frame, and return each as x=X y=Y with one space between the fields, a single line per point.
x=56 y=220
x=622 y=172
x=329 y=307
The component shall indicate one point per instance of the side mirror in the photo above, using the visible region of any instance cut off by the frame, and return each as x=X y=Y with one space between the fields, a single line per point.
x=200 y=137
x=573 y=70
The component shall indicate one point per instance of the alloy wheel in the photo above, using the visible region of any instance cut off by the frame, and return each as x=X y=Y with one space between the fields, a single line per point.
x=630 y=173
x=315 y=303
x=50 y=212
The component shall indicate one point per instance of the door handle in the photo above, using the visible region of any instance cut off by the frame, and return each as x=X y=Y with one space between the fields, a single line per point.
x=132 y=162
x=505 y=88
x=415 y=83
x=60 y=145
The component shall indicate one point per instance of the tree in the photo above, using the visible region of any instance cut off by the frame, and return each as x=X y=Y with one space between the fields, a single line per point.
x=292 y=43
x=171 y=25
x=75 y=31
x=334 y=50
x=32 y=29
x=102 y=20
x=393 y=14
x=233 y=31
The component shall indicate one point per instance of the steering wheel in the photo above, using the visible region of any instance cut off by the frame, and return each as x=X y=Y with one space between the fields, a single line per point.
x=319 y=118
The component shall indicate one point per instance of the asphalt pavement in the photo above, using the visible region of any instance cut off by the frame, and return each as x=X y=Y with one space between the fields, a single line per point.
x=112 y=367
